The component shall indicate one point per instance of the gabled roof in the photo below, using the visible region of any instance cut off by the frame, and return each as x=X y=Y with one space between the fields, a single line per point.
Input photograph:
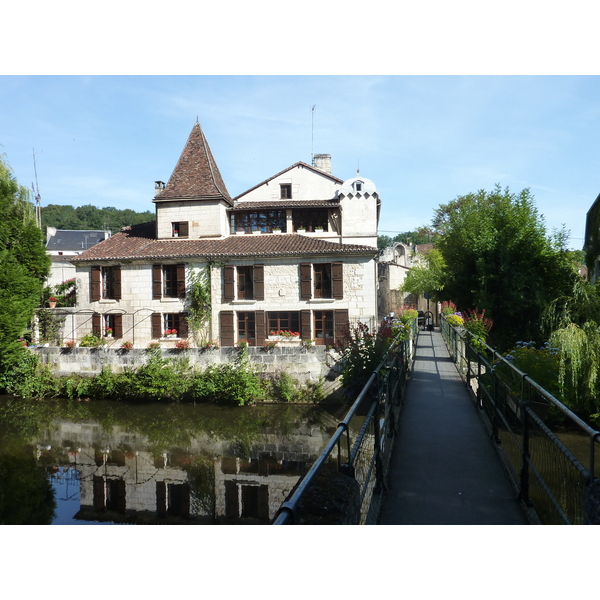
x=138 y=243
x=73 y=240
x=298 y=164
x=196 y=175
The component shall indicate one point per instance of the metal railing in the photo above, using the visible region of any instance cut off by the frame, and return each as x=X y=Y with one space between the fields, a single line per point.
x=550 y=466
x=371 y=421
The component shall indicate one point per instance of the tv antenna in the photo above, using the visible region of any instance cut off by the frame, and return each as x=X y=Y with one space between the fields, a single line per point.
x=312 y=149
x=36 y=193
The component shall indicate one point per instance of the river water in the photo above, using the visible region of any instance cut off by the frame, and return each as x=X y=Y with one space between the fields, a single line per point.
x=78 y=463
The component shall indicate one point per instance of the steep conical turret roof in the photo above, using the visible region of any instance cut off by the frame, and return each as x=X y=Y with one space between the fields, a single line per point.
x=196 y=175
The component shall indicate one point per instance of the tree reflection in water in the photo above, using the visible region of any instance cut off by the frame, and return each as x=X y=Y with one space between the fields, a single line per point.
x=150 y=464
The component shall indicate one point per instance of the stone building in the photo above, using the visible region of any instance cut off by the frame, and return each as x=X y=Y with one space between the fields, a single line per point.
x=297 y=252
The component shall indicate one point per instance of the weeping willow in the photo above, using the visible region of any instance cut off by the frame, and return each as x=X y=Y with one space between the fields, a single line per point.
x=573 y=322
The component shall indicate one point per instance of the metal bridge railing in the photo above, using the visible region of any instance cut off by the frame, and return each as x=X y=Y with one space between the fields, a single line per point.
x=372 y=421
x=551 y=468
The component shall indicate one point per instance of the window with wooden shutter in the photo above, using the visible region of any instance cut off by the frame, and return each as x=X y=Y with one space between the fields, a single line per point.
x=305 y=281
x=180 y=281
x=156 y=282
x=118 y=330
x=96 y=284
x=322 y=280
x=157 y=328
x=97 y=324
x=117 y=282
x=337 y=277
x=227 y=329
x=259 y=282
x=229 y=281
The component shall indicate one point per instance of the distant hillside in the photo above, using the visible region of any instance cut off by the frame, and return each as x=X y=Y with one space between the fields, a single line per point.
x=91 y=217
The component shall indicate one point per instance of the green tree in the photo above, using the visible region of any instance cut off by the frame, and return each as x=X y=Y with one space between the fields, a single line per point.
x=427 y=276
x=24 y=265
x=500 y=258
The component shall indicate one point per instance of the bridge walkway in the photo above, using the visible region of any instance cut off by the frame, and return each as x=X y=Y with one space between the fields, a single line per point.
x=444 y=469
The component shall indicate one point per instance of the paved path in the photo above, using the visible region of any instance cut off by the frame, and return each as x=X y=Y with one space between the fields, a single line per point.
x=445 y=470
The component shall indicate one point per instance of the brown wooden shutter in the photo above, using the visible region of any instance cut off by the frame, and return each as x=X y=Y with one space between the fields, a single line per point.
x=305 y=324
x=258 y=275
x=117 y=282
x=260 y=327
x=157 y=325
x=97 y=324
x=180 y=281
x=227 y=329
x=156 y=282
x=340 y=327
x=229 y=278
x=305 y=281
x=183 y=328
x=184 y=229
x=96 y=283
x=118 y=333
x=337 y=276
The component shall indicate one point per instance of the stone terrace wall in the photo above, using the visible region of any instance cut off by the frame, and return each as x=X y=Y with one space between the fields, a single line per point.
x=303 y=364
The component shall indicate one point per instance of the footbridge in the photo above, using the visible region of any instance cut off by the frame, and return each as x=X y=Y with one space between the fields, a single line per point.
x=437 y=437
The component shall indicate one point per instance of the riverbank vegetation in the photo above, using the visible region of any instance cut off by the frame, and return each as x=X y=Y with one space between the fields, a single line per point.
x=164 y=380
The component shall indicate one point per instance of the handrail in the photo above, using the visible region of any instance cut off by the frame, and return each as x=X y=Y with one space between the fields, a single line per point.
x=287 y=513
x=549 y=476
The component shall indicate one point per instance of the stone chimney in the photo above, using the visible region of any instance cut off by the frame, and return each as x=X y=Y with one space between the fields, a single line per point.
x=322 y=162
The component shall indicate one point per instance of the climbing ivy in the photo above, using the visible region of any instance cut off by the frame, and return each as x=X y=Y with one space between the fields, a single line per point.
x=199 y=304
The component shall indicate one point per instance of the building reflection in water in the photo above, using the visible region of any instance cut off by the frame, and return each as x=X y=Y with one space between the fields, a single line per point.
x=123 y=479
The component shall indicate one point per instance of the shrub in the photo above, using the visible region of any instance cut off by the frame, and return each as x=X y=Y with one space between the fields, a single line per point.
x=90 y=341
x=455 y=320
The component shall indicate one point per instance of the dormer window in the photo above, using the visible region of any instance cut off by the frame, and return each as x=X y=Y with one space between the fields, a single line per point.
x=180 y=229
x=286 y=191
x=358 y=186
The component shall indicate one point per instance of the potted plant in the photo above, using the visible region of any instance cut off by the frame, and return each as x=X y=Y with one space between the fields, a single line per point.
x=127 y=345
x=108 y=332
x=70 y=344
x=269 y=346
x=52 y=302
x=153 y=346
x=182 y=345
x=170 y=333
x=212 y=345
x=241 y=344
x=277 y=230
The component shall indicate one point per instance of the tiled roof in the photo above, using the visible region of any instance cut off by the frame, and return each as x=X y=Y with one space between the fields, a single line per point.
x=138 y=242
x=196 y=175
x=298 y=164
x=280 y=204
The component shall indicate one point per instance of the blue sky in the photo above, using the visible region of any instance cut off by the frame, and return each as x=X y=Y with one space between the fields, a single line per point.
x=423 y=140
